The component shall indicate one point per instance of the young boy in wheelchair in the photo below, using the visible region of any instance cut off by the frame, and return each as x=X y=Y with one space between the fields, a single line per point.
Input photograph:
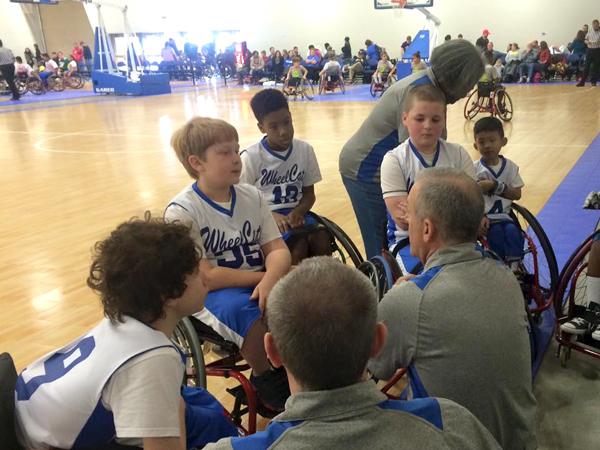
x=424 y=116
x=120 y=383
x=385 y=69
x=500 y=183
x=245 y=254
x=285 y=170
x=296 y=74
x=490 y=79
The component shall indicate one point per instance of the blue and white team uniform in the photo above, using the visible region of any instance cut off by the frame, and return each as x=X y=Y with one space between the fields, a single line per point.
x=60 y=398
x=399 y=171
x=280 y=176
x=231 y=235
x=504 y=236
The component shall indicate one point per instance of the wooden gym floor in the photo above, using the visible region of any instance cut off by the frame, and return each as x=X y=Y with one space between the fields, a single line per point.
x=73 y=171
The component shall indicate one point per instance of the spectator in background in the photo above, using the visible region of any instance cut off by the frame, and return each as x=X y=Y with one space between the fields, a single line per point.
x=585 y=29
x=77 y=53
x=406 y=43
x=514 y=54
x=460 y=36
x=168 y=55
x=257 y=64
x=447 y=38
x=499 y=68
x=347 y=49
x=22 y=69
x=263 y=55
x=297 y=52
x=358 y=66
x=329 y=52
x=312 y=64
x=87 y=55
x=173 y=45
x=285 y=54
x=592 y=60
x=483 y=41
x=530 y=58
x=191 y=50
x=373 y=51
x=63 y=63
x=545 y=59
x=271 y=53
x=417 y=63
x=578 y=46
x=28 y=56
x=317 y=52
x=54 y=57
x=278 y=65
x=38 y=53
x=7 y=69
x=495 y=54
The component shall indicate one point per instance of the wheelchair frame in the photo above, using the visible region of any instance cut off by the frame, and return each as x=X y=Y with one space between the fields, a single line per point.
x=565 y=296
x=305 y=89
x=330 y=86
x=382 y=87
x=494 y=104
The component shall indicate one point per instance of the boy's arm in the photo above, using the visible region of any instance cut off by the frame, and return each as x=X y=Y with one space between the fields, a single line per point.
x=296 y=217
x=277 y=263
x=224 y=277
x=398 y=208
x=512 y=193
x=395 y=192
x=169 y=443
x=304 y=71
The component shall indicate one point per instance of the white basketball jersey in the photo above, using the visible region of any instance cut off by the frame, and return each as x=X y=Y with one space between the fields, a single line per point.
x=497 y=207
x=411 y=163
x=280 y=176
x=58 y=398
x=230 y=233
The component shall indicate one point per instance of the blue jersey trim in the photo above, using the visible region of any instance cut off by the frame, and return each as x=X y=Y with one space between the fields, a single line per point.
x=278 y=155
x=423 y=280
x=371 y=164
x=263 y=439
x=176 y=204
x=98 y=430
x=416 y=385
x=423 y=80
x=426 y=408
x=418 y=155
x=228 y=212
x=496 y=175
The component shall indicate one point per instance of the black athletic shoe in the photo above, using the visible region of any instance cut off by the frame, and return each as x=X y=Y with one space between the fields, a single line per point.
x=272 y=388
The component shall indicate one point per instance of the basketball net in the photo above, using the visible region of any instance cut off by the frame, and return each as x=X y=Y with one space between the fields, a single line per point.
x=398 y=7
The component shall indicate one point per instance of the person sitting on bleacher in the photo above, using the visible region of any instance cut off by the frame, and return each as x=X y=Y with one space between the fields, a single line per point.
x=461 y=327
x=323 y=328
x=500 y=183
x=417 y=63
x=384 y=70
x=244 y=252
x=121 y=381
x=312 y=64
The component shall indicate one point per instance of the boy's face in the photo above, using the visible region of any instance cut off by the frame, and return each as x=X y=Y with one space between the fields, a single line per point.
x=425 y=122
x=221 y=165
x=279 y=128
x=194 y=296
x=489 y=144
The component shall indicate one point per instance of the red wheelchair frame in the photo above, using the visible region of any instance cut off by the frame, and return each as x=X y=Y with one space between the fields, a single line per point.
x=326 y=85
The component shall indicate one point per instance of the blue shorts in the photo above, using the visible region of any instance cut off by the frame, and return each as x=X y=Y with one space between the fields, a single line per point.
x=205 y=419
x=506 y=240
x=230 y=312
x=308 y=219
x=407 y=262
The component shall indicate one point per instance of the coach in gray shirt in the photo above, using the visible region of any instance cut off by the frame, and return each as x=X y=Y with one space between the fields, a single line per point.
x=461 y=326
x=322 y=321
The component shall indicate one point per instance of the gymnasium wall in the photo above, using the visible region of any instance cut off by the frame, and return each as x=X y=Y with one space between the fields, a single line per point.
x=14 y=31
x=64 y=24
x=286 y=23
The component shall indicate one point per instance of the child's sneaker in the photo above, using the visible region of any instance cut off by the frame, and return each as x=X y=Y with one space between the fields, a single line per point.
x=273 y=388
x=578 y=326
x=596 y=333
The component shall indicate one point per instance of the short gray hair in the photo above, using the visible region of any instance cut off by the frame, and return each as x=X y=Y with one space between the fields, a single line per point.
x=452 y=201
x=323 y=316
x=457 y=67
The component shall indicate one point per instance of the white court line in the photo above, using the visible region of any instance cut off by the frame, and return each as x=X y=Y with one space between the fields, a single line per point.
x=578 y=91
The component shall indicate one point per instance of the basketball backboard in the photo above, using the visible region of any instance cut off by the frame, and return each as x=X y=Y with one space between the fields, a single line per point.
x=389 y=4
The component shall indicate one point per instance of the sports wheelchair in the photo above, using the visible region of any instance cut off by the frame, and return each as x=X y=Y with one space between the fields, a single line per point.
x=489 y=98
x=196 y=339
x=328 y=83
x=304 y=88
x=380 y=88
x=568 y=297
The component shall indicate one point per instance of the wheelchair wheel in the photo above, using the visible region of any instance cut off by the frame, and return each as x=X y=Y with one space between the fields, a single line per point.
x=538 y=267
x=503 y=105
x=342 y=246
x=75 y=81
x=186 y=337
x=56 y=83
x=321 y=85
x=370 y=270
x=386 y=276
x=35 y=85
x=307 y=89
x=373 y=91
x=472 y=105
x=342 y=86
x=209 y=71
x=22 y=85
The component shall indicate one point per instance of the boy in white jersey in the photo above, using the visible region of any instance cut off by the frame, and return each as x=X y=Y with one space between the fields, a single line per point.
x=122 y=380
x=332 y=70
x=245 y=254
x=285 y=170
x=500 y=183
x=425 y=118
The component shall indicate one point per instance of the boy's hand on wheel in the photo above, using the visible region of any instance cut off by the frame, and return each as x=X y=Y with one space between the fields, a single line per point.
x=282 y=222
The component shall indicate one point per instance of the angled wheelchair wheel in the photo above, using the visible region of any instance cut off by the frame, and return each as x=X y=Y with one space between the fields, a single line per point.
x=386 y=275
x=538 y=268
x=342 y=86
x=370 y=270
x=186 y=337
x=342 y=246
x=321 y=85
x=56 y=83
x=75 y=81
x=472 y=105
x=503 y=105
x=307 y=89
x=372 y=89
x=35 y=85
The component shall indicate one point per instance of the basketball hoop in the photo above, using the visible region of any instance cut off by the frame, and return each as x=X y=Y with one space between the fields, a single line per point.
x=398 y=6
